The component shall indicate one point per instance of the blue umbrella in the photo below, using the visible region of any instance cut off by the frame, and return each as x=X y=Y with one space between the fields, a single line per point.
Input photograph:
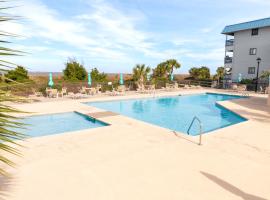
x=148 y=77
x=89 y=79
x=121 y=81
x=51 y=83
x=239 y=78
x=171 y=77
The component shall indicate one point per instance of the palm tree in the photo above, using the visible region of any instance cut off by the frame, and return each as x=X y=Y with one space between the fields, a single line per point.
x=219 y=74
x=160 y=71
x=140 y=74
x=8 y=122
x=164 y=69
x=172 y=64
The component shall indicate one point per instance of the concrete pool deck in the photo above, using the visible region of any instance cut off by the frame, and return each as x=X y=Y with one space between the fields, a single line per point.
x=135 y=160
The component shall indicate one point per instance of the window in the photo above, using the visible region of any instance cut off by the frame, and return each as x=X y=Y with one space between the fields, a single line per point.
x=252 y=51
x=255 y=31
x=251 y=70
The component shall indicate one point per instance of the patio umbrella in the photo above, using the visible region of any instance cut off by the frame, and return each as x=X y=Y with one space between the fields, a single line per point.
x=50 y=83
x=148 y=77
x=89 y=79
x=239 y=78
x=171 y=77
x=121 y=81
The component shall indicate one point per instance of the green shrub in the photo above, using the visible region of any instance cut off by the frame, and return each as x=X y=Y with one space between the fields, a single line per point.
x=246 y=81
x=201 y=73
x=74 y=71
x=98 y=77
x=19 y=74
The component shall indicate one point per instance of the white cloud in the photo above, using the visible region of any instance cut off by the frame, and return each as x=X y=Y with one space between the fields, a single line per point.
x=213 y=55
x=104 y=34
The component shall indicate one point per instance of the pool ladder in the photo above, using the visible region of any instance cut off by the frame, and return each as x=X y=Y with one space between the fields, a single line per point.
x=201 y=128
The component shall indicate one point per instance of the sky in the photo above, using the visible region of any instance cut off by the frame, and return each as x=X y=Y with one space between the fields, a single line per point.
x=115 y=35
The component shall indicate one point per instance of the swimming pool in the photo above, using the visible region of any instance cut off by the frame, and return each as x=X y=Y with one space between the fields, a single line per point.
x=42 y=125
x=177 y=112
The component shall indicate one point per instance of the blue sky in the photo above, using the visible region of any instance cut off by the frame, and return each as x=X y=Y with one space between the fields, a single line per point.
x=114 y=35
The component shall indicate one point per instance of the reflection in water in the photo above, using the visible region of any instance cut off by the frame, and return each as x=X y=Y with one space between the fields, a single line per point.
x=120 y=106
x=141 y=106
x=168 y=102
x=177 y=112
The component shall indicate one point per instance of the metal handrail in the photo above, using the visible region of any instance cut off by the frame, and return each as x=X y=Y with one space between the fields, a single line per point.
x=200 y=122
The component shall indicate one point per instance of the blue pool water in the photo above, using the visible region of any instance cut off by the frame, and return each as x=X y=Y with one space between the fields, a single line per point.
x=176 y=113
x=58 y=123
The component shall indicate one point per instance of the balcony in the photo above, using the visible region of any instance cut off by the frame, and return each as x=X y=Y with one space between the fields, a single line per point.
x=229 y=42
x=228 y=60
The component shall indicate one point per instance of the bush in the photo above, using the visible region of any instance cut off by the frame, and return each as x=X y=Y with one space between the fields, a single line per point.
x=201 y=73
x=74 y=71
x=19 y=74
x=246 y=81
x=98 y=77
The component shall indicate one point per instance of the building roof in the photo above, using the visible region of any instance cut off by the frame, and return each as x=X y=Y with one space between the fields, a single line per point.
x=260 y=23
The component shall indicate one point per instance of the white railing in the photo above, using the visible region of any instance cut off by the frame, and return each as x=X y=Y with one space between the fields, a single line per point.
x=201 y=128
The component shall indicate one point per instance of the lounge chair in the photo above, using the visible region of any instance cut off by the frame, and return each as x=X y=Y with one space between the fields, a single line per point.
x=36 y=94
x=83 y=90
x=267 y=90
x=98 y=88
x=52 y=93
x=187 y=86
x=73 y=95
x=141 y=89
x=91 y=91
x=194 y=86
x=168 y=87
x=121 y=89
x=175 y=85
x=63 y=92
x=150 y=88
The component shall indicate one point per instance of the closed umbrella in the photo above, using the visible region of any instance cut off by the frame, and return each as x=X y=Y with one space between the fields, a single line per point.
x=121 y=81
x=239 y=78
x=148 y=77
x=171 y=77
x=50 y=83
x=89 y=79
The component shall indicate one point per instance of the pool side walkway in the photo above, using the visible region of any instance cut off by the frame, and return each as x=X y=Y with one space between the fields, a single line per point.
x=135 y=160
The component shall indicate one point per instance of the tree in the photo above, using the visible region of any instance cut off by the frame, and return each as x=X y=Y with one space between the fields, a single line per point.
x=194 y=72
x=219 y=73
x=201 y=73
x=18 y=74
x=164 y=69
x=265 y=74
x=97 y=76
x=74 y=71
x=172 y=64
x=160 y=71
x=140 y=74
x=8 y=136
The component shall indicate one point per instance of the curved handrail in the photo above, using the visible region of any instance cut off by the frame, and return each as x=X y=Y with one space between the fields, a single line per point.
x=200 y=122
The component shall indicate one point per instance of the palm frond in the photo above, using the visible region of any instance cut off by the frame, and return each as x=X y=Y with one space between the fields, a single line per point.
x=9 y=124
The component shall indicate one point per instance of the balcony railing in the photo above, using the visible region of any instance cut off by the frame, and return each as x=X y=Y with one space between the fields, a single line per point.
x=228 y=60
x=229 y=42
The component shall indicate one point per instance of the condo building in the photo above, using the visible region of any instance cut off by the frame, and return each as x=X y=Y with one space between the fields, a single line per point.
x=247 y=49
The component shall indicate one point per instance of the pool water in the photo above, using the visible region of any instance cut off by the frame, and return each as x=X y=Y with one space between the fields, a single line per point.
x=58 y=123
x=177 y=112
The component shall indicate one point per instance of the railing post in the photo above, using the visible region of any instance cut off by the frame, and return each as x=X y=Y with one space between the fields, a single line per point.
x=200 y=137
